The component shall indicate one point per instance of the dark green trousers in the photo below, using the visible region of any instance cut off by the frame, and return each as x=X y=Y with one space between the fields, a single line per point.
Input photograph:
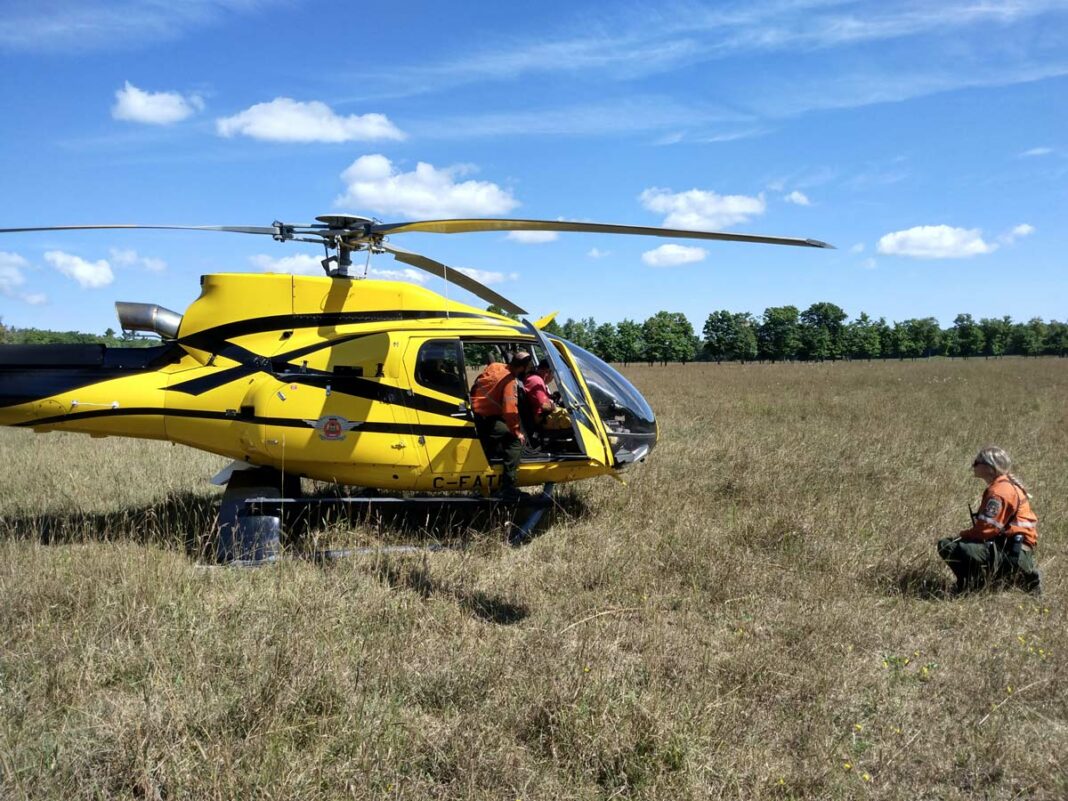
x=498 y=440
x=979 y=564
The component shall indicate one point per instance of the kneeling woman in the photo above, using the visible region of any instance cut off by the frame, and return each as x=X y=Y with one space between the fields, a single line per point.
x=1000 y=544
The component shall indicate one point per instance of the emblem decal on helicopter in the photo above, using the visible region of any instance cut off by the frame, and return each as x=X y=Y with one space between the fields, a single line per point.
x=332 y=427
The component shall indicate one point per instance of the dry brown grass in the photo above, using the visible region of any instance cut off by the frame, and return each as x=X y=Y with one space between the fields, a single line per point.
x=756 y=616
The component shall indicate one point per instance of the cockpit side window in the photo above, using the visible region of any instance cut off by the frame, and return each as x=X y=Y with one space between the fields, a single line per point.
x=440 y=367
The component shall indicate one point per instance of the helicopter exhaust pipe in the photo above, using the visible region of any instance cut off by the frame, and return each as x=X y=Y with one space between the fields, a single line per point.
x=148 y=317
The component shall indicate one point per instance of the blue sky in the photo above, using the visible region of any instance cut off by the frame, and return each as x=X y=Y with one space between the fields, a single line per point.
x=928 y=141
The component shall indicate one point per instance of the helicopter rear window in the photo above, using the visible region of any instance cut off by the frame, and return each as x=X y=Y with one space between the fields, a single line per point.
x=440 y=367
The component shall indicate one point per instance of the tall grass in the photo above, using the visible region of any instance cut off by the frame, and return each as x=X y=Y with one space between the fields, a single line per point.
x=758 y=614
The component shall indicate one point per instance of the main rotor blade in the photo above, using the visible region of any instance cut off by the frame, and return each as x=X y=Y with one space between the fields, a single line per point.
x=233 y=229
x=473 y=225
x=455 y=276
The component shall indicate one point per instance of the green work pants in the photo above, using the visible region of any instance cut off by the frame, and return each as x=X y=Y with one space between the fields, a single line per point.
x=498 y=440
x=977 y=564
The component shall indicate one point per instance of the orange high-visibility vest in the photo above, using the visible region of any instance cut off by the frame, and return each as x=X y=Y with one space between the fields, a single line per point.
x=1005 y=511
x=495 y=395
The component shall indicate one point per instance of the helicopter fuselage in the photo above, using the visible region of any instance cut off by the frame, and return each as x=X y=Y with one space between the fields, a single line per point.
x=358 y=382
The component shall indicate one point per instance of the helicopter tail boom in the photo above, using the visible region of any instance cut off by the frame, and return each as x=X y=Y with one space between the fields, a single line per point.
x=89 y=388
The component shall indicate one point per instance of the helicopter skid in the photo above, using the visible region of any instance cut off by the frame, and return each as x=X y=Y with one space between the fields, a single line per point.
x=254 y=510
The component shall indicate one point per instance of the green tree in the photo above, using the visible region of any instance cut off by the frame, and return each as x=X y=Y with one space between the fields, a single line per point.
x=719 y=335
x=668 y=337
x=630 y=342
x=606 y=342
x=744 y=347
x=970 y=339
x=927 y=335
x=1027 y=338
x=581 y=332
x=887 y=340
x=905 y=344
x=1056 y=343
x=997 y=335
x=950 y=342
x=822 y=331
x=778 y=337
x=862 y=338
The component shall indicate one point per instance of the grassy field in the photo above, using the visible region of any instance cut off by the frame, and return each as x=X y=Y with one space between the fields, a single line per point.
x=759 y=614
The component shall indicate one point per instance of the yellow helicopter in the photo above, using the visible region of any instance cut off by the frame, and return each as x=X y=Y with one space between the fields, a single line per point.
x=357 y=382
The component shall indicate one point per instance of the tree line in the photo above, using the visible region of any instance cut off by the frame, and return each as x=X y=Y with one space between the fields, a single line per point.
x=42 y=336
x=819 y=333
x=782 y=333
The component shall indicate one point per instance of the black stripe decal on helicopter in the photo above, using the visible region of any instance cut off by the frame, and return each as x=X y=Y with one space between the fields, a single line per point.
x=282 y=368
x=464 y=431
x=36 y=372
x=203 y=340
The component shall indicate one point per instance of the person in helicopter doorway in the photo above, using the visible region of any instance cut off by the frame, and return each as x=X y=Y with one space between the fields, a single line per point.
x=999 y=547
x=495 y=402
x=539 y=403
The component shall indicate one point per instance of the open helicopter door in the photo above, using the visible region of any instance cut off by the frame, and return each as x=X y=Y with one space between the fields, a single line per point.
x=590 y=437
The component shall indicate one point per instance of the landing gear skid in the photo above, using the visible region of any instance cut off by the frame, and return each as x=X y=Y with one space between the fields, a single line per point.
x=257 y=501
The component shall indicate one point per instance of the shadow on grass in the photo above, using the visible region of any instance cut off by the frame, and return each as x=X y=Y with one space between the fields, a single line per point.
x=186 y=521
x=181 y=520
x=479 y=604
x=911 y=581
x=455 y=526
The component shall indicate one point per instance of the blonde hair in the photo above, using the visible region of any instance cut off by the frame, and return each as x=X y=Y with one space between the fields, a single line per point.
x=994 y=457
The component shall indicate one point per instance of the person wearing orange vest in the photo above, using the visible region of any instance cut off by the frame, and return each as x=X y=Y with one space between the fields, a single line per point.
x=495 y=402
x=1000 y=544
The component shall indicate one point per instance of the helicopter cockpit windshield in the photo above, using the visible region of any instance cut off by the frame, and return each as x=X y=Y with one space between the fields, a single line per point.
x=626 y=415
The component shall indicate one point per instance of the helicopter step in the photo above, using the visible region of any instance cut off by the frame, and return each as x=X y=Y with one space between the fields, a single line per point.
x=258 y=502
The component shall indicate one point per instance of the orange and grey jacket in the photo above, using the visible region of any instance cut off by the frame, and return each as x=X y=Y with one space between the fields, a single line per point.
x=495 y=395
x=1004 y=511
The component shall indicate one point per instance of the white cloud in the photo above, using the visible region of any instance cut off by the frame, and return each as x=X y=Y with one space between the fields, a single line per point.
x=1036 y=151
x=597 y=253
x=797 y=198
x=533 y=237
x=288 y=120
x=65 y=26
x=154 y=108
x=857 y=248
x=673 y=255
x=11 y=277
x=406 y=274
x=935 y=242
x=88 y=274
x=125 y=257
x=701 y=210
x=298 y=263
x=487 y=277
x=1019 y=232
x=427 y=192
x=869 y=263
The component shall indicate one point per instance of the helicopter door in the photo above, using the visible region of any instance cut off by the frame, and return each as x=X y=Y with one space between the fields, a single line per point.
x=441 y=404
x=585 y=422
